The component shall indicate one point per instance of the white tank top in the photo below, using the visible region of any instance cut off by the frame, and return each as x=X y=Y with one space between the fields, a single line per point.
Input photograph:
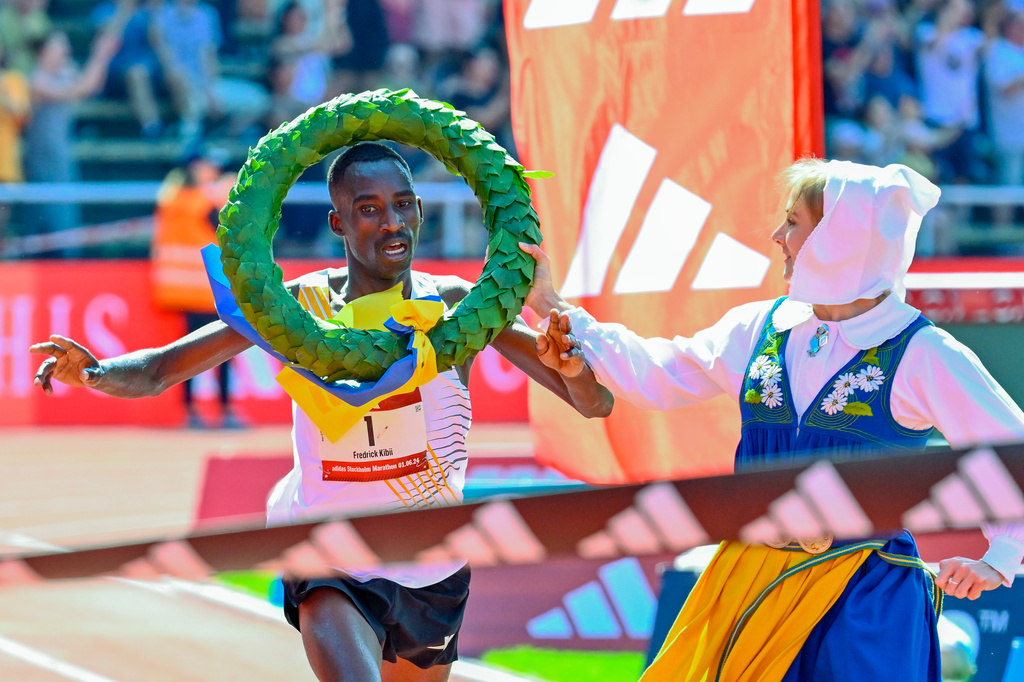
x=303 y=494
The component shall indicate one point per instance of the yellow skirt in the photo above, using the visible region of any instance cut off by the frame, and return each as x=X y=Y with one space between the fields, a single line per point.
x=732 y=613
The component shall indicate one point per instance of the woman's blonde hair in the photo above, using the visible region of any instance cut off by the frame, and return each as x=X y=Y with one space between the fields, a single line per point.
x=804 y=183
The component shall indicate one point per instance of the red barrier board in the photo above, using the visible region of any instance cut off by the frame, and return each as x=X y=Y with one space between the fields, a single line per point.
x=106 y=306
x=968 y=290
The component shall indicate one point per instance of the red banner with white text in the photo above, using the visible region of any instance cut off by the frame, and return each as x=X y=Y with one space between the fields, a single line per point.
x=107 y=306
x=665 y=123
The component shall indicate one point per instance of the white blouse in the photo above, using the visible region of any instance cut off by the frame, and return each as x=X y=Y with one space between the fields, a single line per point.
x=663 y=374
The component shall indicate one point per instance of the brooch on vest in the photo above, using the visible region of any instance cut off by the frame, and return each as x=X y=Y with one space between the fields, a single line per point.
x=819 y=339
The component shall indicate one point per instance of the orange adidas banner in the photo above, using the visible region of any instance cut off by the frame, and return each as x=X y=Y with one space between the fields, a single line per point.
x=665 y=123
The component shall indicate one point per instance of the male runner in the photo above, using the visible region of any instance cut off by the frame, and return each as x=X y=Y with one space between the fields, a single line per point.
x=399 y=625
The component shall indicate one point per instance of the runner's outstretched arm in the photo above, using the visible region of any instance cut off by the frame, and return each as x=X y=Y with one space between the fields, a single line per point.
x=142 y=373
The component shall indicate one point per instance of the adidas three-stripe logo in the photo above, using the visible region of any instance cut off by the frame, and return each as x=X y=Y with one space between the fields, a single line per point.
x=553 y=13
x=621 y=601
x=820 y=503
x=657 y=521
x=667 y=235
x=982 y=488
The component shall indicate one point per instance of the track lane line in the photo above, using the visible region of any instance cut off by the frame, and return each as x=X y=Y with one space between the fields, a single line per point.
x=47 y=662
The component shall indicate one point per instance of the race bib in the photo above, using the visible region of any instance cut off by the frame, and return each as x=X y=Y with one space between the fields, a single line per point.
x=389 y=442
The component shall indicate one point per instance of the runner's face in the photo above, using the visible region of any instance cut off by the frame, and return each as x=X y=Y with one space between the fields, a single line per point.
x=792 y=234
x=378 y=214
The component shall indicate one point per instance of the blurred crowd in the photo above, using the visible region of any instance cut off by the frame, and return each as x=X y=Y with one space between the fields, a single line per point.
x=305 y=52
x=935 y=84
x=167 y=60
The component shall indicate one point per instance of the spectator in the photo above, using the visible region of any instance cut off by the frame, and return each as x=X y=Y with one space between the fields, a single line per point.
x=938 y=230
x=887 y=78
x=481 y=89
x=843 y=58
x=403 y=69
x=401 y=19
x=56 y=85
x=846 y=140
x=135 y=70
x=309 y=52
x=23 y=23
x=445 y=26
x=284 y=105
x=316 y=20
x=1004 y=76
x=14 y=110
x=920 y=11
x=948 y=57
x=186 y=219
x=919 y=142
x=359 y=67
x=883 y=143
x=186 y=35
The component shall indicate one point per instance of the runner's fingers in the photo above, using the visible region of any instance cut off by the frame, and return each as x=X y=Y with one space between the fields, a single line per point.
x=572 y=353
x=48 y=347
x=45 y=369
x=66 y=343
x=542 y=344
x=43 y=375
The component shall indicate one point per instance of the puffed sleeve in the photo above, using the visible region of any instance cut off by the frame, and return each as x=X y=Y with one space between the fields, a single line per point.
x=1005 y=549
x=940 y=382
x=662 y=374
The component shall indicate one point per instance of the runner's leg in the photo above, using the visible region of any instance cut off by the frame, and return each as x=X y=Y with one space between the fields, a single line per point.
x=404 y=671
x=340 y=645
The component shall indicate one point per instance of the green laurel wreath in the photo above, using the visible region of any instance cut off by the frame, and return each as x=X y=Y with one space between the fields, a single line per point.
x=253 y=212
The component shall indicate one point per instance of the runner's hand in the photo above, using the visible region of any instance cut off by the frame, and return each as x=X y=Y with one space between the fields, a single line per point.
x=559 y=349
x=959 y=577
x=69 y=363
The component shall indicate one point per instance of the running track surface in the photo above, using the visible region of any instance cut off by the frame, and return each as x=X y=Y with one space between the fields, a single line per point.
x=82 y=487
x=112 y=630
x=70 y=486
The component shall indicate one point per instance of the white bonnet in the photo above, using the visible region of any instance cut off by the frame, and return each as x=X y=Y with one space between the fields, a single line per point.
x=864 y=243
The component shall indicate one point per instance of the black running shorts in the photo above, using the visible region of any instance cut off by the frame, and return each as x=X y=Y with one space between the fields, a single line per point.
x=419 y=624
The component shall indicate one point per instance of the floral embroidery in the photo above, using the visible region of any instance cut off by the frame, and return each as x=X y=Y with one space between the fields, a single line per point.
x=843 y=397
x=764 y=375
x=758 y=365
x=768 y=373
x=771 y=395
x=835 y=402
x=771 y=373
x=870 y=378
x=845 y=383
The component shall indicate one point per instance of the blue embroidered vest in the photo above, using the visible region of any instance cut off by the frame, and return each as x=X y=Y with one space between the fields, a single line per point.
x=850 y=415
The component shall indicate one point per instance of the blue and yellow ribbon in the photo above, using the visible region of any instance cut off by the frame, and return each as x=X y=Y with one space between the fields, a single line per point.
x=337 y=406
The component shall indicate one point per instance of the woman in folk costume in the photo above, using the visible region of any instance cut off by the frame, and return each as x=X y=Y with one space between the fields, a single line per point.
x=843 y=365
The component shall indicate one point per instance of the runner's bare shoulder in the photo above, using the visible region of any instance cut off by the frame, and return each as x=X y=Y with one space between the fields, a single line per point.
x=452 y=289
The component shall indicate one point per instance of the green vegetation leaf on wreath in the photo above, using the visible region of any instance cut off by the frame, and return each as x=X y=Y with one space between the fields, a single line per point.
x=251 y=217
